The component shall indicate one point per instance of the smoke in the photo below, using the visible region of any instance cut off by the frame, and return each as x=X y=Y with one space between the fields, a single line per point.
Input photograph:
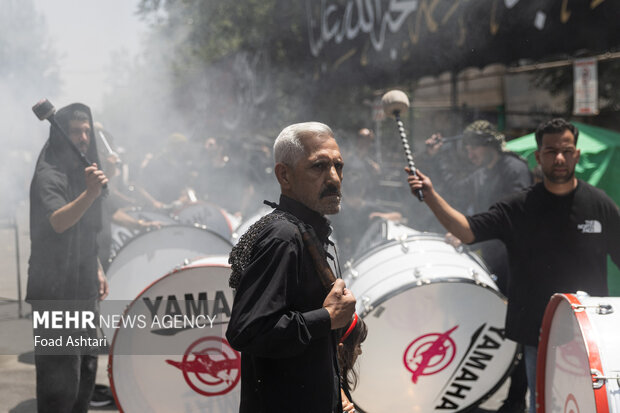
x=28 y=71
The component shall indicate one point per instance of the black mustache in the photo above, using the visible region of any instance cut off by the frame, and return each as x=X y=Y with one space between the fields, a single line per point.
x=329 y=191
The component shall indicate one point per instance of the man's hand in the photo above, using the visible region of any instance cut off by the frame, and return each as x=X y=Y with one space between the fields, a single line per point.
x=95 y=179
x=347 y=406
x=103 y=284
x=419 y=181
x=452 y=240
x=433 y=144
x=340 y=303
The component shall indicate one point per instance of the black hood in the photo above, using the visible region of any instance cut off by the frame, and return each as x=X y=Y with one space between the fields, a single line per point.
x=59 y=159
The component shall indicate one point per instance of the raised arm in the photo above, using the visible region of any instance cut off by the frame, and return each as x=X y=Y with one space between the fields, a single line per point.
x=452 y=220
x=68 y=215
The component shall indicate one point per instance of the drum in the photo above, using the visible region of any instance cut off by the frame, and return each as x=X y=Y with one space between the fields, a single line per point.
x=152 y=254
x=578 y=362
x=246 y=224
x=435 y=328
x=380 y=231
x=209 y=215
x=121 y=235
x=188 y=366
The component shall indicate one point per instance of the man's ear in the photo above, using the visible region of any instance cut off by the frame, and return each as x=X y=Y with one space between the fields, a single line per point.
x=537 y=155
x=283 y=174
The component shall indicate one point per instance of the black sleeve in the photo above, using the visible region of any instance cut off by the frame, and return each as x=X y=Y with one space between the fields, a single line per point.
x=52 y=192
x=263 y=322
x=491 y=224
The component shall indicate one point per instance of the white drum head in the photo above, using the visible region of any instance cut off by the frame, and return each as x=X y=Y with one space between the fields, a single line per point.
x=435 y=347
x=578 y=341
x=179 y=369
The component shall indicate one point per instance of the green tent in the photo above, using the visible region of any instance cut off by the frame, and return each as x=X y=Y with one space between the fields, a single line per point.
x=599 y=165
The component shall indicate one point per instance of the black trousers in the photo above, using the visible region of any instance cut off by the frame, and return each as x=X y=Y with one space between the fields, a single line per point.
x=65 y=383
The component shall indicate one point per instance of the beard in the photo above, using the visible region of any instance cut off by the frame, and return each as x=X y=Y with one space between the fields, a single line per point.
x=324 y=204
x=558 y=177
x=329 y=206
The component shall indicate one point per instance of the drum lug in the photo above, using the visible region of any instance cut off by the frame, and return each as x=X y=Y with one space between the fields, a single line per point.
x=366 y=305
x=601 y=309
x=349 y=266
x=403 y=245
x=475 y=276
x=604 y=309
x=598 y=380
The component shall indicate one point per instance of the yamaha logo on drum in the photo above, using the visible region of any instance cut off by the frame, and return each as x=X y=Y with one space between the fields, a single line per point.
x=210 y=366
x=432 y=353
x=570 y=405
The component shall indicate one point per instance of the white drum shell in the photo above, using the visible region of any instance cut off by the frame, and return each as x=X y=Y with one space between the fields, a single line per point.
x=417 y=287
x=153 y=383
x=422 y=259
x=577 y=340
x=150 y=255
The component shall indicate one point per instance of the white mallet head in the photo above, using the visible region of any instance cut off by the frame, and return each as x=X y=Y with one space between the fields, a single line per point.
x=394 y=101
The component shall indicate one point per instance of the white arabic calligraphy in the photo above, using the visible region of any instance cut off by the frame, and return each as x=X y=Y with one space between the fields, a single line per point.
x=368 y=13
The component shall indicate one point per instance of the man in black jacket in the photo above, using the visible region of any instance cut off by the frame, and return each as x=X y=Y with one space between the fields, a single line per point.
x=558 y=235
x=65 y=217
x=283 y=318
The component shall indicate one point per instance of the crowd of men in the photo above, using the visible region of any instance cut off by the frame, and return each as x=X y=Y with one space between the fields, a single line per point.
x=286 y=321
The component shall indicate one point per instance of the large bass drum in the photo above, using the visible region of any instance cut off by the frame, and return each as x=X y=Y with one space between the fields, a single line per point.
x=210 y=215
x=578 y=355
x=150 y=255
x=436 y=328
x=121 y=234
x=187 y=366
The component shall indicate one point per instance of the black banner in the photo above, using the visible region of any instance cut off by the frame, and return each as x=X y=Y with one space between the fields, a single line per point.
x=383 y=42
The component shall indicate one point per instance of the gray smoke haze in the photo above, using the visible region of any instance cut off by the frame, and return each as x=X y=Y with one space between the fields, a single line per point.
x=28 y=71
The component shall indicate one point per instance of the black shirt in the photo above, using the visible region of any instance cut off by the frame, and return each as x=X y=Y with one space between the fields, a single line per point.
x=62 y=266
x=556 y=244
x=288 y=351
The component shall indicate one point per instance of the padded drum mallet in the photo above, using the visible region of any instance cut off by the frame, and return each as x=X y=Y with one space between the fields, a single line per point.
x=394 y=102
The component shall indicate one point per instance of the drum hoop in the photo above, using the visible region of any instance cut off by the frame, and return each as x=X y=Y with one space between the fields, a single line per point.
x=166 y=227
x=594 y=357
x=219 y=209
x=414 y=237
x=415 y=284
x=111 y=351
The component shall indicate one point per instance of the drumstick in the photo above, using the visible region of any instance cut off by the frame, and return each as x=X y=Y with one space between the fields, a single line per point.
x=394 y=102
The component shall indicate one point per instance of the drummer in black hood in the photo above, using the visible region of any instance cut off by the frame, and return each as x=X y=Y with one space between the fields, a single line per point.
x=65 y=217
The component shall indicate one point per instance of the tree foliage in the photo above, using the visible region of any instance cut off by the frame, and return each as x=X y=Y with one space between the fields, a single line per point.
x=245 y=65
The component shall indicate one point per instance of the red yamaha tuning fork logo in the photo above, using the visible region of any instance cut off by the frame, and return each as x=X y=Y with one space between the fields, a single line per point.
x=210 y=366
x=570 y=405
x=429 y=354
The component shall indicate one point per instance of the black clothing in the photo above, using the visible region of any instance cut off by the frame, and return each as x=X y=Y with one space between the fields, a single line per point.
x=288 y=351
x=556 y=244
x=65 y=383
x=62 y=266
x=509 y=175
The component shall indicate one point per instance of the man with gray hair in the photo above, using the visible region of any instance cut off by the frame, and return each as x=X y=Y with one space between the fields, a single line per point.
x=283 y=318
